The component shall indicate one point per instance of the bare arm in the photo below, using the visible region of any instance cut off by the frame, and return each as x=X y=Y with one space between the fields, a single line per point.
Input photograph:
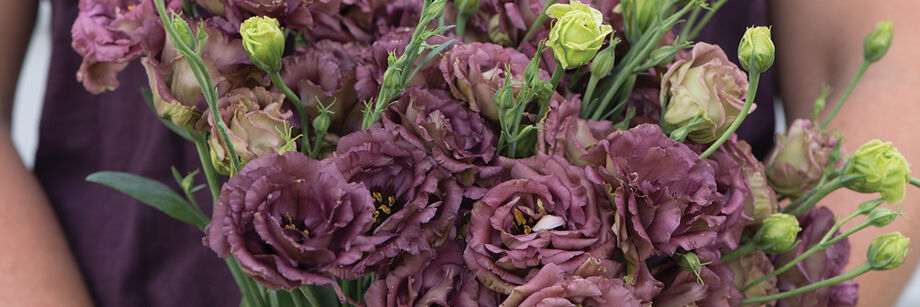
x=821 y=41
x=36 y=264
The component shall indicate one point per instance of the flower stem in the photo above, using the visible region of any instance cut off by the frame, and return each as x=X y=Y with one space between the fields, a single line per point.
x=209 y=173
x=820 y=193
x=245 y=286
x=859 y=73
x=754 y=79
x=540 y=20
x=461 y=25
x=585 y=103
x=742 y=250
x=557 y=75
x=308 y=294
x=699 y=26
x=915 y=182
x=298 y=105
x=862 y=269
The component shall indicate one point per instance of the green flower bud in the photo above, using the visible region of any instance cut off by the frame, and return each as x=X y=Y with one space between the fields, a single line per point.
x=321 y=124
x=391 y=78
x=881 y=217
x=264 y=42
x=435 y=9
x=888 y=251
x=467 y=7
x=756 y=50
x=691 y=263
x=496 y=34
x=578 y=33
x=603 y=62
x=183 y=31
x=777 y=233
x=876 y=43
x=878 y=167
x=664 y=55
x=504 y=97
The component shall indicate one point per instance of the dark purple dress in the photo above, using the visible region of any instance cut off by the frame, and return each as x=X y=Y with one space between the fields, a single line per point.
x=133 y=255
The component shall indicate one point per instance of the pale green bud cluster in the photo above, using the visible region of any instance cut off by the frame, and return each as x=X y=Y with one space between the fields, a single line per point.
x=756 y=50
x=888 y=251
x=264 y=42
x=777 y=234
x=878 y=167
x=578 y=33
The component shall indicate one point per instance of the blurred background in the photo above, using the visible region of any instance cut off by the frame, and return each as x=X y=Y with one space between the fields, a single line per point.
x=30 y=95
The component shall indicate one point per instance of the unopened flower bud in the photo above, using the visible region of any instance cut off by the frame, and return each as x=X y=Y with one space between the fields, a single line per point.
x=504 y=97
x=264 y=42
x=798 y=160
x=664 y=55
x=691 y=263
x=321 y=124
x=756 y=50
x=881 y=217
x=435 y=9
x=390 y=78
x=888 y=251
x=603 y=62
x=878 y=167
x=467 y=7
x=578 y=33
x=183 y=31
x=777 y=233
x=876 y=43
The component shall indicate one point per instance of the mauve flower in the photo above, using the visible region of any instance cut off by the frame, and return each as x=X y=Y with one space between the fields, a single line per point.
x=706 y=86
x=291 y=220
x=475 y=71
x=564 y=133
x=797 y=162
x=822 y=265
x=438 y=278
x=751 y=267
x=415 y=202
x=374 y=62
x=295 y=14
x=111 y=33
x=459 y=139
x=714 y=287
x=548 y=212
x=254 y=122
x=762 y=201
x=324 y=72
x=730 y=163
x=588 y=285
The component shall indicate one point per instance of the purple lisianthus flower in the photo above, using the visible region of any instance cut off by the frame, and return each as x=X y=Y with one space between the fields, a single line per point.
x=460 y=140
x=548 y=212
x=588 y=285
x=324 y=73
x=798 y=161
x=731 y=162
x=761 y=203
x=438 y=278
x=713 y=287
x=295 y=14
x=415 y=202
x=374 y=62
x=254 y=120
x=822 y=265
x=564 y=133
x=291 y=220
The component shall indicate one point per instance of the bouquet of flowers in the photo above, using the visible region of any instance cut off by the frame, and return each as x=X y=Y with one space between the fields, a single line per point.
x=484 y=153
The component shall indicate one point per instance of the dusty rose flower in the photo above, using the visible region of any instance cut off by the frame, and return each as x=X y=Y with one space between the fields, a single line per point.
x=799 y=158
x=475 y=71
x=548 y=212
x=415 y=202
x=254 y=122
x=705 y=86
x=714 y=287
x=296 y=14
x=374 y=62
x=438 y=278
x=291 y=220
x=459 y=139
x=749 y=268
x=324 y=72
x=822 y=265
x=762 y=201
x=564 y=133
x=588 y=285
x=731 y=162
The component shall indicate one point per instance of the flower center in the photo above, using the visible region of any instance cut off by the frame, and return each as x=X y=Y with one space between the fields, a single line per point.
x=523 y=224
x=289 y=224
x=385 y=205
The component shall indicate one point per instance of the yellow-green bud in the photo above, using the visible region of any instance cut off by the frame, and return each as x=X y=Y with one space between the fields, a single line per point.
x=603 y=62
x=881 y=217
x=435 y=9
x=183 y=31
x=467 y=7
x=878 y=167
x=321 y=124
x=390 y=78
x=888 y=251
x=691 y=263
x=777 y=233
x=876 y=43
x=504 y=97
x=664 y=55
x=756 y=50
x=264 y=42
x=578 y=33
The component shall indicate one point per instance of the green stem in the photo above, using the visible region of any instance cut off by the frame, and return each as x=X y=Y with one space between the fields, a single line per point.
x=308 y=294
x=862 y=269
x=685 y=29
x=859 y=73
x=245 y=286
x=298 y=299
x=699 y=27
x=585 y=103
x=540 y=20
x=557 y=75
x=461 y=25
x=915 y=182
x=298 y=105
x=754 y=79
x=742 y=250
x=821 y=192
x=209 y=173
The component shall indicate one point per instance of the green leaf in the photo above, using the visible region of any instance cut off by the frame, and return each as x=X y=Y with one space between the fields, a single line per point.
x=150 y=192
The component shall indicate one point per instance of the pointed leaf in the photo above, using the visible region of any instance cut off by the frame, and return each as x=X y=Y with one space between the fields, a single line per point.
x=150 y=192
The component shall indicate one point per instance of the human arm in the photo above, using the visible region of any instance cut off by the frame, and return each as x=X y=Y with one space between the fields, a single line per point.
x=36 y=265
x=820 y=41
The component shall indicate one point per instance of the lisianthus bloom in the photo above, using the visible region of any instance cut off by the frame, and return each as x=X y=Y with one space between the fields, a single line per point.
x=323 y=73
x=459 y=139
x=177 y=95
x=762 y=201
x=713 y=286
x=822 y=265
x=706 y=90
x=111 y=33
x=878 y=167
x=438 y=278
x=374 y=63
x=799 y=158
x=590 y=285
x=291 y=220
x=292 y=14
x=577 y=34
x=756 y=50
x=254 y=122
x=888 y=251
x=751 y=267
x=777 y=234
x=474 y=72
x=415 y=202
x=564 y=133
x=548 y=212
x=263 y=40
